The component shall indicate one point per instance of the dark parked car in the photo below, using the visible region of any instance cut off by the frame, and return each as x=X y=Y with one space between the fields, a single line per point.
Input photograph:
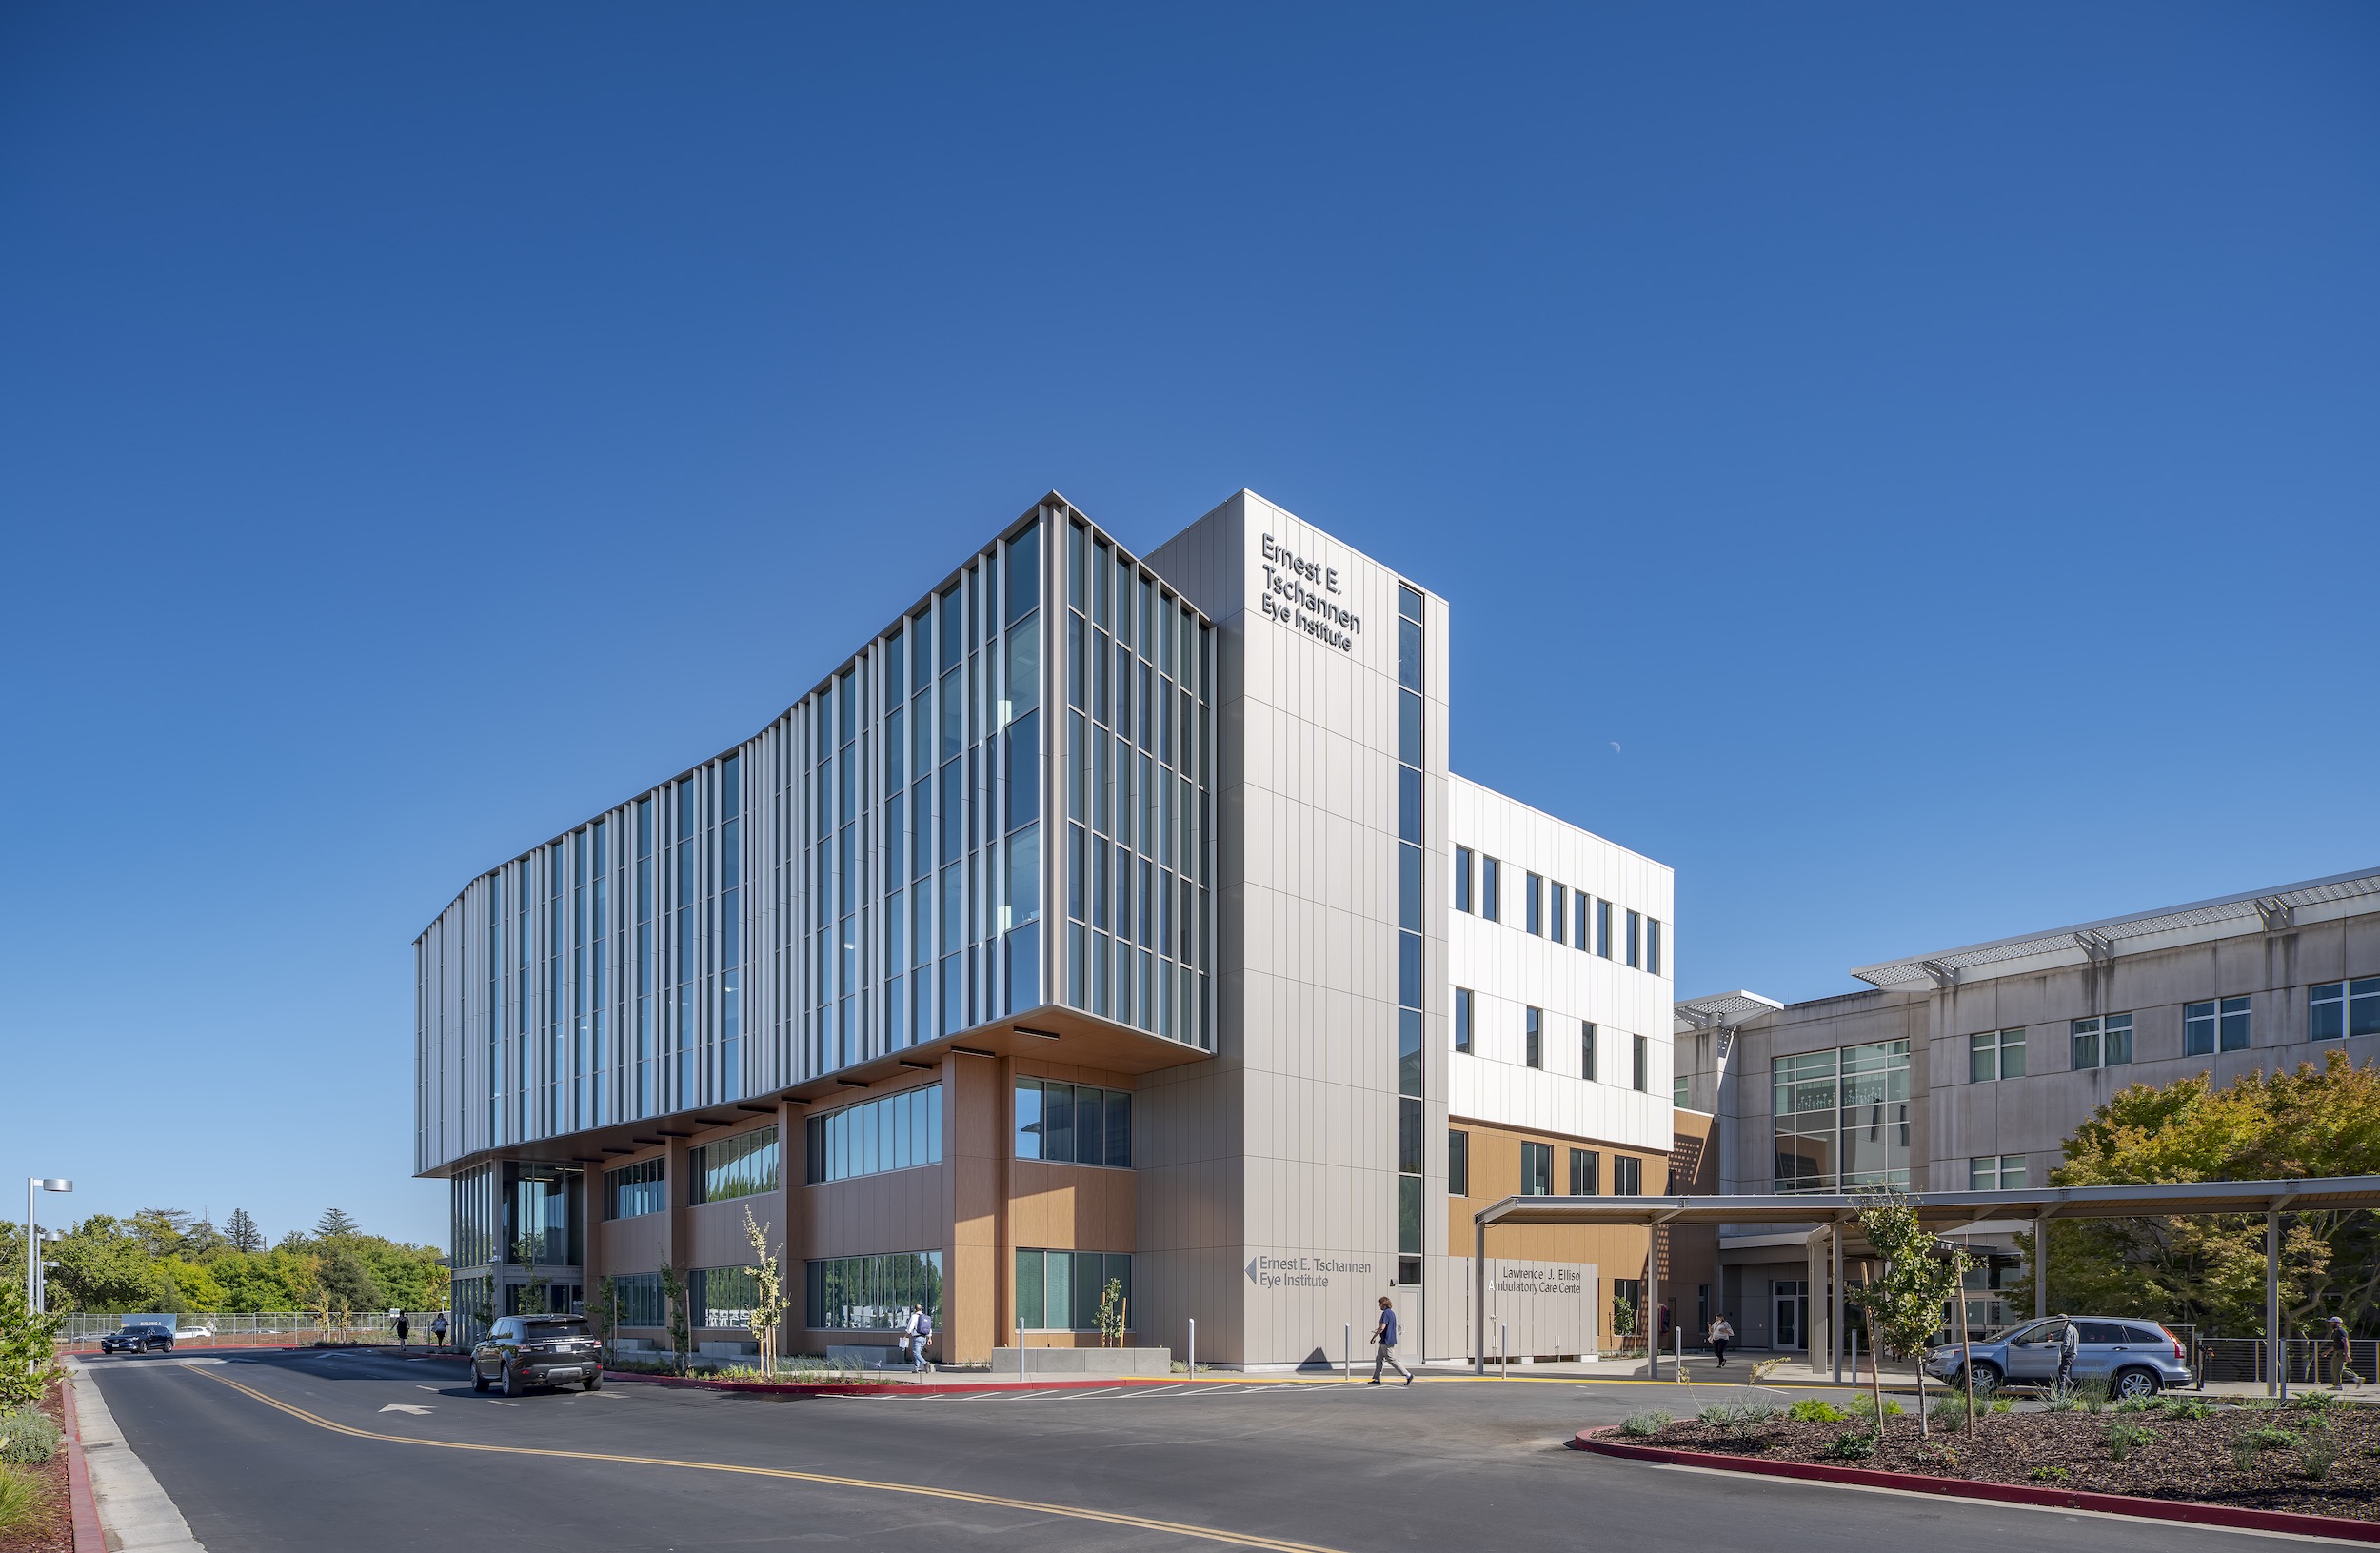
x=2136 y=1358
x=139 y=1337
x=522 y=1351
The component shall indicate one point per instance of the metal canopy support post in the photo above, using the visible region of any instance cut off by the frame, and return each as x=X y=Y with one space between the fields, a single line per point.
x=1653 y=1300
x=2275 y=1354
x=2040 y=1265
x=1835 y=1296
x=1478 y=1297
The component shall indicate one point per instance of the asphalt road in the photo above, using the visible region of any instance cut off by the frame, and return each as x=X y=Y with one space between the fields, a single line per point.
x=1445 y=1464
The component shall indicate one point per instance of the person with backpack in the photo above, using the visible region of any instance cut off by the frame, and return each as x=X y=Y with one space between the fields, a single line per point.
x=921 y=1333
x=1384 y=1333
x=438 y=1329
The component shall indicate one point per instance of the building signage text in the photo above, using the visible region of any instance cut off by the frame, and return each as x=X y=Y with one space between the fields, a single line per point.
x=1271 y=1272
x=1303 y=595
x=1557 y=1279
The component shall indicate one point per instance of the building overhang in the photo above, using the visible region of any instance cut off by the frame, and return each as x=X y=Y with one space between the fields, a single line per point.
x=1959 y=1210
x=1050 y=1034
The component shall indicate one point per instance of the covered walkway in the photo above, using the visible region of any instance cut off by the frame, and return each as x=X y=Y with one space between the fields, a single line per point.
x=1833 y=1215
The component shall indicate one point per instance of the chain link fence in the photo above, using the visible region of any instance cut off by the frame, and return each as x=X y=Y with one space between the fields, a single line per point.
x=82 y=1331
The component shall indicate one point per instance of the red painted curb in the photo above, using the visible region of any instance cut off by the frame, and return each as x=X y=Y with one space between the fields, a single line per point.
x=83 y=1505
x=2007 y=1493
x=858 y=1388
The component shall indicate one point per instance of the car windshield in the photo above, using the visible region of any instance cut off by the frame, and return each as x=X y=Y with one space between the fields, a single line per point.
x=2040 y=1331
x=567 y=1326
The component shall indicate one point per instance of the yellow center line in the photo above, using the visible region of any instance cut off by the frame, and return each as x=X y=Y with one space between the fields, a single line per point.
x=1210 y=1534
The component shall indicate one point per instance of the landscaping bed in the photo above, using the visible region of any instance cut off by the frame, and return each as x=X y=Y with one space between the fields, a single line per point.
x=2301 y=1459
x=48 y=1518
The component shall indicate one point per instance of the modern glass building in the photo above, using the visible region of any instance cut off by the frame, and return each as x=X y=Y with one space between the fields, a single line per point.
x=1083 y=939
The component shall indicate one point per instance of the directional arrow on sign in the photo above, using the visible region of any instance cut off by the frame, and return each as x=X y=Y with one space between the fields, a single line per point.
x=404 y=1407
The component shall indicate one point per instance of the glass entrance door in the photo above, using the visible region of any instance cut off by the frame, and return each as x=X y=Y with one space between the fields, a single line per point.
x=1792 y=1297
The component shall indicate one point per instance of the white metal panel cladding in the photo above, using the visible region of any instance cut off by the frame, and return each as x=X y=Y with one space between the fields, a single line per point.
x=808 y=898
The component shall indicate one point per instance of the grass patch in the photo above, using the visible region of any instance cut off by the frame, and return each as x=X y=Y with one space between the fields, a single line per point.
x=2122 y=1438
x=23 y=1499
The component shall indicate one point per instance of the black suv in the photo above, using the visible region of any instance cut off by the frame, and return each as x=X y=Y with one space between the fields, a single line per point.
x=522 y=1351
x=139 y=1337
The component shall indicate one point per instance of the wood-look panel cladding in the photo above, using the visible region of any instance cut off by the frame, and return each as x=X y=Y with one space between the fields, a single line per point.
x=1495 y=1154
x=635 y=1245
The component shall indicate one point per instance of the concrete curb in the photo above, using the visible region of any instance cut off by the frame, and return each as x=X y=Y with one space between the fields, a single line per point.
x=1601 y=1442
x=868 y=1389
x=82 y=1507
x=134 y=1514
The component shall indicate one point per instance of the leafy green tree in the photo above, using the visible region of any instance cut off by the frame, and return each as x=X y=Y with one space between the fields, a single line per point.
x=2210 y=1271
x=102 y=1266
x=334 y=1224
x=673 y=1291
x=264 y=1279
x=348 y=1278
x=203 y=1240
x=1904 y=1302
x=28 y=1358
x=189 y=1285
x=294 y=1241
x=241 y=1232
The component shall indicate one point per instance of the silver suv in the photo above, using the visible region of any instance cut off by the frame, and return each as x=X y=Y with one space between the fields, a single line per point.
x=2136 y=1358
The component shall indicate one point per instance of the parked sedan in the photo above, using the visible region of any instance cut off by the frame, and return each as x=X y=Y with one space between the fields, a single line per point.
x=139 y=1337
x=2136 y=1358
x=522 y=1351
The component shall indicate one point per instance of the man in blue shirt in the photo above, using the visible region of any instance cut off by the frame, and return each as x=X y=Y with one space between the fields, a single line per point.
x=1385 y=1335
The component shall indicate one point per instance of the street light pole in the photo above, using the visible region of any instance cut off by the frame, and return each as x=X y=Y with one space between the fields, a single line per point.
x=33 y=1235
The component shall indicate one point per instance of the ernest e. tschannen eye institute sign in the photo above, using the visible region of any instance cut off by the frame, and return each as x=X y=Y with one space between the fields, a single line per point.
x=1303 y=594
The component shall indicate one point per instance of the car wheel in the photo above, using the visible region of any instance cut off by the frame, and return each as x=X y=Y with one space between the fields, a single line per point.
x=1986 y=1379
x=594 y=1383
x=478 y=1382
x=2136 y=1382
x=512 y=1381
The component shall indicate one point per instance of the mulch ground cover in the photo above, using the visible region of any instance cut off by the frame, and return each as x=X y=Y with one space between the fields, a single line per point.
x=52 y=1531
x=2218 y=1459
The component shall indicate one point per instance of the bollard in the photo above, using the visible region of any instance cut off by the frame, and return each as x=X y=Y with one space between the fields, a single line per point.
x=1347 y=1347
x=1020 y=1353
x=1504 y=1350
x=1194 y=1347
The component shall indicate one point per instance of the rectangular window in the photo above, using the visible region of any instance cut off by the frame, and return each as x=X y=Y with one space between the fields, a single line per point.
x=1458 y=1164
x=2216 y=1024
x=1995 y=1054
x=1491 y=888
x=1997 y=1173
x=873 y=1293
x=1586 y=1050
x=1586 y=1173
x=1642 y=1051
x=1578 y=922
x=1627 y=1176
x=1536 y=1169
x=2102 y=1043
x=1533 y=1031
x=1462 y=1019
x=1532 y=906
x=1603 y=928
x=634 y=1191
x=1557 y=911
x=1653 y=945
x=892 y=1132
x=1462 y=878
x=2335 y=1010
x=1073 y=1124
x=1061 y=1291
x=641 y=1302
x=738 y=1167
x=1635 y=928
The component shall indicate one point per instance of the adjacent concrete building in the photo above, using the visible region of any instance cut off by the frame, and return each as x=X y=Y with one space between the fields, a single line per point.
x=1104 y=941
x=1970 y=1068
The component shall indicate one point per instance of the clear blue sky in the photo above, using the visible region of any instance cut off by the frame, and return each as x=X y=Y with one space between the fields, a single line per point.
x=1938 y=448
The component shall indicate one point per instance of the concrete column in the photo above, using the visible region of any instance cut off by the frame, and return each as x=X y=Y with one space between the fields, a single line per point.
x=1835 y=1297
x=1653 y=1302
x=591 y=1266
x=678 y=1182
x=793 y=1172
x=1478 y=1298
x=2040 y=1267
x=2276 y=1352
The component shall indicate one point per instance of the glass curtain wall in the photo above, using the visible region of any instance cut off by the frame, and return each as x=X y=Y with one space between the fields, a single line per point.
x=1841 y=1118
x=1409 y=941
x=1138 y=768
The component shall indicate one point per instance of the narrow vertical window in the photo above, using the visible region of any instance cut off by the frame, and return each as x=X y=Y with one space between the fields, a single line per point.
x=1457 y=1164
x=1462 y=1019
x=1635 y=925
x=1603 y=928
x=1463 y=879
x=1642 y=1081
x=1533 y=906
x=1586 y=1050
x=1491 y=888
x=1653 y=945
x=1534 y=1038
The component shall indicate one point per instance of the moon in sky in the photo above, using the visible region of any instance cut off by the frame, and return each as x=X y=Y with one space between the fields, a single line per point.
x=1615 y=747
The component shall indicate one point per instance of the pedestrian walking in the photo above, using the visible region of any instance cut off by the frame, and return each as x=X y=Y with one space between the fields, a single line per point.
x=2069 y=1342
x=921 y=1333
x=1722 y=1335
x=405 y=1328
x=1384 y=1333
x=438 y=1329
x=2339 y=1372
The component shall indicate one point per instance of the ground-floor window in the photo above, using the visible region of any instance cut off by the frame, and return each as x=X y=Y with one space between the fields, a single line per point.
x=723 y=1297
x=873 y=1293
x=1059 y=1291
x=640 y=1297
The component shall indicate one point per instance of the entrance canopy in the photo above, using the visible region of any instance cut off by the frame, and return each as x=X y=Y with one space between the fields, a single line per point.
x=1832 y=1213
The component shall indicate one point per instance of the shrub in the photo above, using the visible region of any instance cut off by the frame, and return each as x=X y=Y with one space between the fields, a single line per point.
x=2269 y=1437
x=2122 y=1438
x=27 y=1437
x=2048 y=1473
x=2317 y=1453
x=2245 y=1453
x=2188 y=1410
x=22 y=1499
x=1721 y=1416
x=1851 y=1446
x=2317 y=1402
x=2001 y=1405
x=1816 y=1411
x=1951 y=1412
x=2061 y=1399
x=1863 y=1405
x=1935 y=1454
x=2091 y=1392
x=1642 y=1425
